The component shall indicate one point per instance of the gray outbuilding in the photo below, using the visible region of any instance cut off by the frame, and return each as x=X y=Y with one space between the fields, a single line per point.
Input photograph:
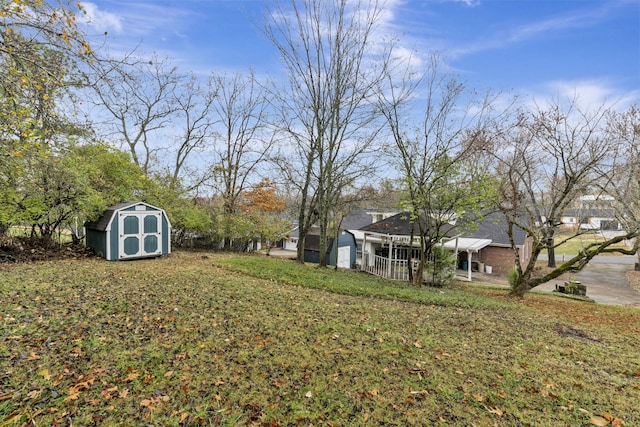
x=340 y=252
x=130 y=230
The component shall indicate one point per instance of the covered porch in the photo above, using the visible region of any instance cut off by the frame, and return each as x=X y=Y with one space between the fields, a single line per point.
x=388 y=256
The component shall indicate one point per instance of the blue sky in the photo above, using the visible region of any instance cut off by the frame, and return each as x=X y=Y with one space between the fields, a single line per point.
x=537 y=48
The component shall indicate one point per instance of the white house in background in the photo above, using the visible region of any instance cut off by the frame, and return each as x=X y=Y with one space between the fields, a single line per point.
x=590 y=219
x=595 y=201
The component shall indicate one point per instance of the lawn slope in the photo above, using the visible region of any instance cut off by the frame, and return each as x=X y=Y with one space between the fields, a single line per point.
x=201 y=339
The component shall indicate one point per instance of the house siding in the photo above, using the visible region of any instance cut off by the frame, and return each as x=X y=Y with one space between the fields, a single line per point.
x=500 y=259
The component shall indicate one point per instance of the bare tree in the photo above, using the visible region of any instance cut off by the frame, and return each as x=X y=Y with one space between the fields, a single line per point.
x=334 y=65
x=138 y=97
x=623 y=178
x=194 y=107
x=433 y=151
x=241 y=139
x=551 y=157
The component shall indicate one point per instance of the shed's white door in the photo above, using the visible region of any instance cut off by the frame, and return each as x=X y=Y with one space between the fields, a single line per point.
x=344 y=257
x=140 y=234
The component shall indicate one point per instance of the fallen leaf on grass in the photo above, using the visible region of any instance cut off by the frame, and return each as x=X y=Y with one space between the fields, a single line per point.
x=496 y=411
x=132 y=376
x=598 y=421
x=615 y=422
x=34 y=393
x=72 y=396
x=371 y=393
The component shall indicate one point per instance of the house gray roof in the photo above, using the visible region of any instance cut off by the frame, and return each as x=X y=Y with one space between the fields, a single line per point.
x=398 y=225
x=361 y=217
x=493 y=225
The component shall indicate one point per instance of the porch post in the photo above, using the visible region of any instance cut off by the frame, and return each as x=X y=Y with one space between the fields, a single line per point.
x=390 y=258
x=469 y=265
x=364 y=254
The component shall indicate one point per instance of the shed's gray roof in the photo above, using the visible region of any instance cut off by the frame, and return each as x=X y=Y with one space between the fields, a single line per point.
x=103 y=222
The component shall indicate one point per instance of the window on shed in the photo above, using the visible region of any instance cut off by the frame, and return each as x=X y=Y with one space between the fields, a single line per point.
x=151 y=224
x=131 y=225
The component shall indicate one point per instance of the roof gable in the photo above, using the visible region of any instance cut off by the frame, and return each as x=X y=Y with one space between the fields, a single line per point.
x=398 y=225
x=104 y=222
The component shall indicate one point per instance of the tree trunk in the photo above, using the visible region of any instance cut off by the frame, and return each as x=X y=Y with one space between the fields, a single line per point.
x=551 y=251
x=521 y=287
x=302 y=236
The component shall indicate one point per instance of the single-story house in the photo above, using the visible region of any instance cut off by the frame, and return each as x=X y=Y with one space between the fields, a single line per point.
x=361 y=217
x=340 y=251
x=387 y=247
x=130 y=230
x=352 y=222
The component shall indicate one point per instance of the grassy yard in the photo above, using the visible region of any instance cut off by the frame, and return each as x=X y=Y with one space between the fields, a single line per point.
x=202 y=339
x=577 y=244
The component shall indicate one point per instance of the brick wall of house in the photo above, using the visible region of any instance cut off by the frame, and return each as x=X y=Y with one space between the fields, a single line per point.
x=501 y=260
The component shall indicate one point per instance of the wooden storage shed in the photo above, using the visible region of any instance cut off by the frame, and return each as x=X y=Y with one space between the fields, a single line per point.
x=130 y=230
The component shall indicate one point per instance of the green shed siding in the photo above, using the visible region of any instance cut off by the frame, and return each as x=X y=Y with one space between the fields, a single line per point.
x=166 y=231
x=97 y=240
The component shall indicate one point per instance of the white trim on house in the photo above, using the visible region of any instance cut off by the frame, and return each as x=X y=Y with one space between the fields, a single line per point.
x=394 y=268
x=468 y=245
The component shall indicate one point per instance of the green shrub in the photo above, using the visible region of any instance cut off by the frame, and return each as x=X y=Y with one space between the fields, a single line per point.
x=513 y=277
x=440 y=270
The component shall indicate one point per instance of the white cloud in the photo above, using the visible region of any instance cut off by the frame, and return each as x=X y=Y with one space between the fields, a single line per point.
x=99 y=19
x=588 y=94
x=533 y=30
x=471 y=3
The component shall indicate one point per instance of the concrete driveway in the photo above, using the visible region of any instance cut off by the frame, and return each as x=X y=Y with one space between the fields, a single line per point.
x=605 y=278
